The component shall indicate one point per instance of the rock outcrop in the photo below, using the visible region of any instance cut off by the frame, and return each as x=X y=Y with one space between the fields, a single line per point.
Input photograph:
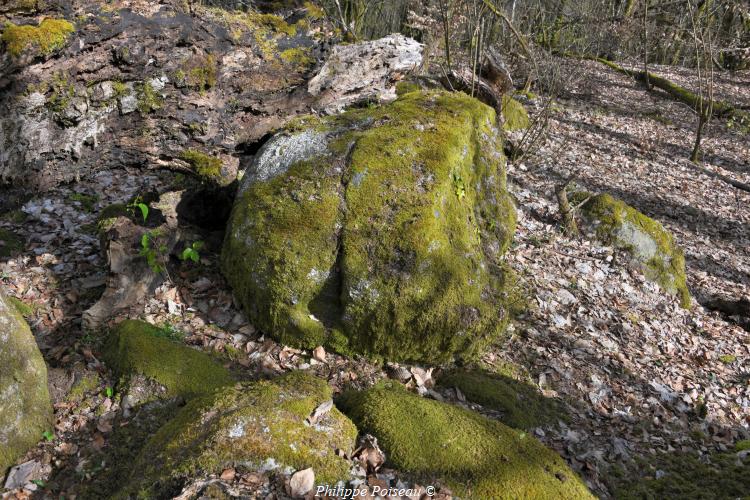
x=477 y=457
x=652 y=248
x=165 y=87
x=25 y=408
x=379 y=231
x=364 y=72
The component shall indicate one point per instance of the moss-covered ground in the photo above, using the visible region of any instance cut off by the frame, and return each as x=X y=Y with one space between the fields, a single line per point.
x=515 y=116
x=10 y=243
x=520 y=405
x=685 y=476
x=477 y=457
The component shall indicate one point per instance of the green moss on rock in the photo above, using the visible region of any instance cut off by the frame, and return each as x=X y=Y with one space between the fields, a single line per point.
x=26 y=410
x=379 y=231
x=86 y=383
x=22 y=307
x=477 y=457
x=149 y=99
x=200 y=72
x=49 y=36
x=520 y=405
x=138 y=348
x=649 y=243
x=206 y=166
x=515 y=116
x=258 y=425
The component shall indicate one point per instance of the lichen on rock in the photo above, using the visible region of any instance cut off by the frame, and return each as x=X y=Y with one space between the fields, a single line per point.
x=261 y=425
x=476 y=457
x=139 y=348
x=379 y=231
x=25 y=408
x=651 y=246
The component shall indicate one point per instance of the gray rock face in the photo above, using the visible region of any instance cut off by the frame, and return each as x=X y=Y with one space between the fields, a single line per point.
x=282 y=151
x=25 y=408
x=364 y=71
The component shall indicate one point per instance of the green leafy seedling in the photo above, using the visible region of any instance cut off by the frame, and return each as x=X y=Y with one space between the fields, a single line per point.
x=48 y=435
x=144 y=210
x=109 y=392
x=191 y=252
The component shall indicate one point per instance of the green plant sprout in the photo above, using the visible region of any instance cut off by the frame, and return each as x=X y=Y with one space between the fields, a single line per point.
x=48 y=435
x=137 y=203
x=191 y=252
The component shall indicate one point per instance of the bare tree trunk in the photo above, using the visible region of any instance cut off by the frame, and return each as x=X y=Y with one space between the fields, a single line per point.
x=695 y=155
x=566 y=212
x=645 y=44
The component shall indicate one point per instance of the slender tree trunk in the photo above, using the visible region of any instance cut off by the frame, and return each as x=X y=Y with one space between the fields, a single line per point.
x=695 y=155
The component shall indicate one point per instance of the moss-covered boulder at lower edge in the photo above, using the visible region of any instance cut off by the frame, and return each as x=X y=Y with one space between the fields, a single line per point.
x=650 y=245
x=477 y=457
x=137 y=348
x=25 y=408
x=258 y=425
x=520 y=405
x=379 y=231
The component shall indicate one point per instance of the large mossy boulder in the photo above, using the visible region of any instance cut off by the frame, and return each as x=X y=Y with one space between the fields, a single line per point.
x=138 y=350
x=25 y=407
x=477 y=457
x=259 y=425
x=378 y=231
x=650 y=245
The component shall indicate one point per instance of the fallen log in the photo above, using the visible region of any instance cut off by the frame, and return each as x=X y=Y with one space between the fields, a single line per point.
x=720 y=109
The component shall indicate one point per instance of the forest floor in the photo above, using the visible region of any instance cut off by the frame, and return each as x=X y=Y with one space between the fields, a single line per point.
x=639 y=375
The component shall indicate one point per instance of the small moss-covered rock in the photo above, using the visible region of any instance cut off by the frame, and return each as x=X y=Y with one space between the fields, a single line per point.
x=477 y=457
x=379 y=231
x=685 y=475
x=25 y=407
x=138 y=348
x=650 y=245
x=520 y=405
x=515 y=116
x=259 y=425
x=49 y=36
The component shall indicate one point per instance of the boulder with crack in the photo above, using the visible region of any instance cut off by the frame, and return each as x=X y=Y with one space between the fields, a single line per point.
x=378 y=231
